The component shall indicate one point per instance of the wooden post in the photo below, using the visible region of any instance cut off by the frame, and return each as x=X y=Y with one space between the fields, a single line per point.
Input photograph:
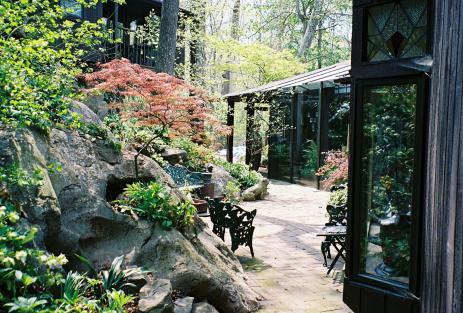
x=250 y=111
x=231 y=123
x=442 y=274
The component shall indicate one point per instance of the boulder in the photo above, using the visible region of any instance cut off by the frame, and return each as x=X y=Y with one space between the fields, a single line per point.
x=156 y=297
x=174 y=156
x=88 y=116
x=97 y=104
x=256 y=192
x=220 y=178
x=74 y=215
x=183 y=305
x=203 y=307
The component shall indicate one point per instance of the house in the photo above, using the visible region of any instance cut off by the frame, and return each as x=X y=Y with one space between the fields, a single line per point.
x=125 y=20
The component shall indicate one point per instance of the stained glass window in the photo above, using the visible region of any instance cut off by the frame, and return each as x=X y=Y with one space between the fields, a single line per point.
x=397 y=30
x=72 y=7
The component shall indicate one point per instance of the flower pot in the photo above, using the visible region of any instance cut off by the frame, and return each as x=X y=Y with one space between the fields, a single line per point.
x=201 y=205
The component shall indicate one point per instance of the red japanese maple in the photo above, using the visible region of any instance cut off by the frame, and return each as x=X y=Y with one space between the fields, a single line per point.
x=155 y=98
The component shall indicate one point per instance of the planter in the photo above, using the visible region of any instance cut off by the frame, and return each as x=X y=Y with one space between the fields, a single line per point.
x=201 y=205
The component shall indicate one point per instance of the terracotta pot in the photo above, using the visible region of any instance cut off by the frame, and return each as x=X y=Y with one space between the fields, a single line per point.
x=201 y=205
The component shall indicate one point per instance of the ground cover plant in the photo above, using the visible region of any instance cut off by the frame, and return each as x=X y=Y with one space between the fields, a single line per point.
x=33 y=280
x=154 y=202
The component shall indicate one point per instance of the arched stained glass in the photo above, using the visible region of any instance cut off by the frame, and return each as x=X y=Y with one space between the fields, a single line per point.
x=397 y=30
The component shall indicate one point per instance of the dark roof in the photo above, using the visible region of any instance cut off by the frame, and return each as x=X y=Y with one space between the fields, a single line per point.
x=330 y=73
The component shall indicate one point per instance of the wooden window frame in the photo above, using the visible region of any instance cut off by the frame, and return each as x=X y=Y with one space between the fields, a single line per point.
x=358 y=214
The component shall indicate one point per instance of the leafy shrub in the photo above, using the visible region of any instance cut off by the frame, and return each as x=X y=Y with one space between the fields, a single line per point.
x=335 y=170
x=37 y=78
x=154 y=202
x=311 y=156
x=245 y=177
x=198 y=156
x=232 y=192
x=338 y=197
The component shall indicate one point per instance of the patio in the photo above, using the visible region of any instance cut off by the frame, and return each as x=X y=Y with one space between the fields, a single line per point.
x=288 y=269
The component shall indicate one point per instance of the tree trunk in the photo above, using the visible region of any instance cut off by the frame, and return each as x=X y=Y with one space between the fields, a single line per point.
x=168 y=37
x=310 y=22
x=226 y=88
x=308 y=37
x=199 y=50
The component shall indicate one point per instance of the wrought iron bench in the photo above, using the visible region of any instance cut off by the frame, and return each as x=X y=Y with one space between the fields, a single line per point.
x=236 y=219
x=334 y=232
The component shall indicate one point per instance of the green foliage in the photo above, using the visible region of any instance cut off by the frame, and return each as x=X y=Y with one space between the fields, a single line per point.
x=338 y=197
x=154 y=202
x=129 y=133
x=29 y=277
x=117 y=300
x=25 y=272
x=101 y=132
x=310 y=166
x=74 y=288
x=245 y=177
x=198 y=156
x=232 y=192
x=256 y=63
x=41 y=55
x=115 y=278
x=25 y=305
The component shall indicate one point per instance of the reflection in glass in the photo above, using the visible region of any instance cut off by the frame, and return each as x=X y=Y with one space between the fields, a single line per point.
x=397 y=30
x=387 y=179
x=72 y=7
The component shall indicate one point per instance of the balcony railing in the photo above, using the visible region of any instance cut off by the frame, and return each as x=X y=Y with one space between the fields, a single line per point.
x=131 y=46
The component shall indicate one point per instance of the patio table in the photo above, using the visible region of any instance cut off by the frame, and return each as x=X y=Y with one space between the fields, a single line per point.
x=334 y=236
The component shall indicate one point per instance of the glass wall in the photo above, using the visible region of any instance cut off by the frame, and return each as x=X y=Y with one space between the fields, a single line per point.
x=308 y=123
x=387 y=156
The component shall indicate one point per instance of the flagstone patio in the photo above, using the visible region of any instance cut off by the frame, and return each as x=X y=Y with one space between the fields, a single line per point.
x=288 y=269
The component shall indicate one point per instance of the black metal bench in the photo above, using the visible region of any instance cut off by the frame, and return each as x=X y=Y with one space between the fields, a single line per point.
x=236 y=219
x=334 y=232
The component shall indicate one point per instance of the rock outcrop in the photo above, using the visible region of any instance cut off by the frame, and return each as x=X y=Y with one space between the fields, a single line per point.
x=74 y=215
x=220 y=178
x=174 y=156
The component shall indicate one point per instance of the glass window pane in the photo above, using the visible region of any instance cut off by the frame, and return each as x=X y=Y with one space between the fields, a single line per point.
x=72 y=7
x=397 y=30
x=387 y=179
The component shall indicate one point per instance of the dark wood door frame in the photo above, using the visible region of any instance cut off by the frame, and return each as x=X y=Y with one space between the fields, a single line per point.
x=442 y=275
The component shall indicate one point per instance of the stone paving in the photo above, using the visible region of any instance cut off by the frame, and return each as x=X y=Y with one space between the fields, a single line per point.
x=288 y=269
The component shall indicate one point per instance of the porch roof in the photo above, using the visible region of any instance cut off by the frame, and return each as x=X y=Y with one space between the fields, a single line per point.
x=331 y=73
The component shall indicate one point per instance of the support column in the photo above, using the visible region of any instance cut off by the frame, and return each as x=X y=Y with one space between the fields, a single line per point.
x=250 y=111
x=230 y=123
x=442 y=274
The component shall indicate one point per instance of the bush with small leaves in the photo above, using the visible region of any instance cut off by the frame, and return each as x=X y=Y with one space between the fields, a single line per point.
x=154 y=202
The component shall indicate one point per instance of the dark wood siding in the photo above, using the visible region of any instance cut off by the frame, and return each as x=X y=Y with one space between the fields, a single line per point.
x=93 y=14
x=443 y=233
